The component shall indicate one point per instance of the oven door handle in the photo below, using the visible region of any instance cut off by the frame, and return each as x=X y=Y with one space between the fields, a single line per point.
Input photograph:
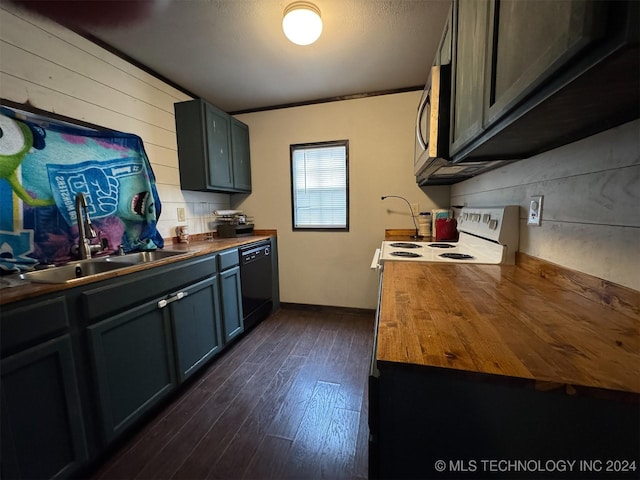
x=375 y=261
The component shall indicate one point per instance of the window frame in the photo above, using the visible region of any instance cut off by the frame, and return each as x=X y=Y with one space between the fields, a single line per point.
x=303 y=146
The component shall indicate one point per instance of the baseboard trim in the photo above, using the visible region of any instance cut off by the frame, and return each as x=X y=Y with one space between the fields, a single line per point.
x=327 y=308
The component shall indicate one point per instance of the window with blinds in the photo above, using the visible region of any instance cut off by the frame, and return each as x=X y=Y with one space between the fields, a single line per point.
x=320 y=186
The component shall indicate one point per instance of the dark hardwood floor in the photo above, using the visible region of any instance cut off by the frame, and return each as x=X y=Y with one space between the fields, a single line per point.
x=288 y=401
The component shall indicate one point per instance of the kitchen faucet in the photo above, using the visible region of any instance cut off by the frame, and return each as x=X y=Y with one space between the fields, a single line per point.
x=85 y=229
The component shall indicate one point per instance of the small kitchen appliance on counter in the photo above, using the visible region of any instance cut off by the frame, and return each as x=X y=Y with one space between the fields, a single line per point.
x=487 y=236
x=233 y=223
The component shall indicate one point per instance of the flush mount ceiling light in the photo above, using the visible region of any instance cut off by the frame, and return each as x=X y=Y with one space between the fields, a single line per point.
x=302 y=23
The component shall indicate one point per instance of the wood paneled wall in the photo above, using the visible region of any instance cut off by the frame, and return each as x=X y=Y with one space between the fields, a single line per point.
x=591 y=206
x=49 y=67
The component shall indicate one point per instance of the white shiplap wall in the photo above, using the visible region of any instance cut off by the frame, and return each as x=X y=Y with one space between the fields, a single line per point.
x=591 y=210
x=51 y=68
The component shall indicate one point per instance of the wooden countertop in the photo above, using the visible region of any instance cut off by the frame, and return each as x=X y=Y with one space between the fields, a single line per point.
x=193 y=249
x=503 y=320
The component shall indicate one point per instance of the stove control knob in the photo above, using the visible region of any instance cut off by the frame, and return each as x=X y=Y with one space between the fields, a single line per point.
x=486 y=217
x=493 y=224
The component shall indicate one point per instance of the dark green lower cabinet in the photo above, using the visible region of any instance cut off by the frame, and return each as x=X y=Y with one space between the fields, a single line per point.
x=196 y=326
x=231 y=291
x=134 y=364
x=42 y=427
x=441 y=423
x=108 y=359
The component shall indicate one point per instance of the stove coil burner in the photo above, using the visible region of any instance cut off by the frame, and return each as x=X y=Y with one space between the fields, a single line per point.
x=456 y=256
x=405 y=245
x=405 y=254
x=441 y=245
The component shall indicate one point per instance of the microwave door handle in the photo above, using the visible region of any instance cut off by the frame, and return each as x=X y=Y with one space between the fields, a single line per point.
x=419 y=132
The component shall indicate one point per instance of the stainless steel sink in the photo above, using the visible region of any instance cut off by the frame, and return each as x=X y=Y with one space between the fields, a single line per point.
x=86 y=268
x=138 y=258
x=73 y=271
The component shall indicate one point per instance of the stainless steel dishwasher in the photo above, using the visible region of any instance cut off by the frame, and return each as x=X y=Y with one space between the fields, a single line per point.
x=256 y=280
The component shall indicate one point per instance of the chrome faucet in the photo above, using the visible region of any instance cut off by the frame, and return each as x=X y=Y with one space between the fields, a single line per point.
x=85 y=229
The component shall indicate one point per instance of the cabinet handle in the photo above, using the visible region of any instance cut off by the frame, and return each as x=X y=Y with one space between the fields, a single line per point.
x=176 y=297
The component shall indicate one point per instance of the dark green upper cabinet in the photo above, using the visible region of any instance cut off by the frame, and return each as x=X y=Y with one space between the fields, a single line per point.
x=471 y=27
x=532 y=41
x=217 y=127
x=213 y=149
x=443 y=54
x=532 y=75
x=241 y=156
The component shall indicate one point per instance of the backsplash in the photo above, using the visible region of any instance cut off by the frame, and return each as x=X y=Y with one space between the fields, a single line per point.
x=45 y=164
x=590 y=213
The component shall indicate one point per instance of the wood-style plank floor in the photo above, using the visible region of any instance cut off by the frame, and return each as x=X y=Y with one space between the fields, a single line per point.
x=288 y=401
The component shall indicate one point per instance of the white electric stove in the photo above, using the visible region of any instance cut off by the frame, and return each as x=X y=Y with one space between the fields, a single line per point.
x=487 y=236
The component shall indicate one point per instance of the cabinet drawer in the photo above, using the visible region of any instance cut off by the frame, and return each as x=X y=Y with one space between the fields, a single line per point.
x=228 y=259
x=25 y=324
x=121 y=294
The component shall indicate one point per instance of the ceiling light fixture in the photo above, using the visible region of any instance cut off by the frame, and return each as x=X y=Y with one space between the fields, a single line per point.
x=302 y=23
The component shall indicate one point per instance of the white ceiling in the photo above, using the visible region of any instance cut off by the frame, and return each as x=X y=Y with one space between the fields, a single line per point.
x=233 y=52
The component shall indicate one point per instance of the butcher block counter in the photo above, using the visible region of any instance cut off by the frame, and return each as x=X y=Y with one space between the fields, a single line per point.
x=502 y=320
x=492 y=371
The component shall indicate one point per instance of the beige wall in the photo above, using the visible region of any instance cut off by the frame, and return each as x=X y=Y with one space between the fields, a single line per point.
x=332 y=268
x=53 y=69
x=591 y=212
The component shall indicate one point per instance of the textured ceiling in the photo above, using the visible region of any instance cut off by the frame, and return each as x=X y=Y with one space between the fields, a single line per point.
x=234 y=54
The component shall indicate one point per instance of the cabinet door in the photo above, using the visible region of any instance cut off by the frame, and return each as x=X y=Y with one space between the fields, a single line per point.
x=196 y=326
x=42 y=429
x=133 y=361
x=218 y=148
x=241 y=156
x=532 y=39
x=443 y=54
x=231 y=293
x=471 y=20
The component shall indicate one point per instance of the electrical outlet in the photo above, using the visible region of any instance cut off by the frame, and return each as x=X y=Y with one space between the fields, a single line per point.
x=181 y=215
x=535 y=211
x=415 y=209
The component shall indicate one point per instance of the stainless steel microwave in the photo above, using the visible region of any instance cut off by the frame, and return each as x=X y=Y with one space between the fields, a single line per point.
x=432 y=121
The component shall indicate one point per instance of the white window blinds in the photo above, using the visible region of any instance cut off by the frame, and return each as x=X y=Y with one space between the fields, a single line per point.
x=319 y=174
